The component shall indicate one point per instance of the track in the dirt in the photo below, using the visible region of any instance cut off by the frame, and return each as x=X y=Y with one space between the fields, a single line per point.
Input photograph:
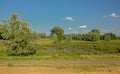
x=58 y=62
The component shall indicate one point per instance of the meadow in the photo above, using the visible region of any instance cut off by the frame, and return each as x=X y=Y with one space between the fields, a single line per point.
x=46 y=49
x=67 y=57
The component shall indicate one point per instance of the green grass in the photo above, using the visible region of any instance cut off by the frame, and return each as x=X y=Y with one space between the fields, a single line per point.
x=76 y=50
x=44 y=41
x=10 y=65
x=49 y=57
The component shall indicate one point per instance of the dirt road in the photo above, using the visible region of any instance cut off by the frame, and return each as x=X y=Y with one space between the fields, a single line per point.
x=52 y=70
x=58 y=62
x=59 y=67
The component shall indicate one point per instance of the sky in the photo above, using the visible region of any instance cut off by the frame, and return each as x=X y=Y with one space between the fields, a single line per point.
x=74 y=16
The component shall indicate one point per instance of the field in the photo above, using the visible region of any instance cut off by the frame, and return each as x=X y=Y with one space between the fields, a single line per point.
x=52 y=59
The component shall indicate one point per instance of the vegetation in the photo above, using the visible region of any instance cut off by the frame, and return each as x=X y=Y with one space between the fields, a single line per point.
x=20 y=40
x=17 y=37
x=57 y=34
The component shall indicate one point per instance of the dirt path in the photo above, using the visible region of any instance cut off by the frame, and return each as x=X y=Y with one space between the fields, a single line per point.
x=52 y=70
x=58 y=62
x=59 y=67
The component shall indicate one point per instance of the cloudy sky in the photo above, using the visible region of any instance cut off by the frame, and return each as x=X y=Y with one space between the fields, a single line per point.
x=74 y=16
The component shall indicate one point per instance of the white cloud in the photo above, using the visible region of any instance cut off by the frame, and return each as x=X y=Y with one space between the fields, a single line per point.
x=114 y=15
x=83 y=26
x=69 y=18
x=70 y=28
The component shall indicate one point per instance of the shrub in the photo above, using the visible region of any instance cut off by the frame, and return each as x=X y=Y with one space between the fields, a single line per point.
x=18 y=37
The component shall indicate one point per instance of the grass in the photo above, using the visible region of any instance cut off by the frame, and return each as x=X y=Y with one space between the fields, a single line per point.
x=76 y=50
x=57 y=60
x=44 y=41
x=10 y=65
x=81 y=57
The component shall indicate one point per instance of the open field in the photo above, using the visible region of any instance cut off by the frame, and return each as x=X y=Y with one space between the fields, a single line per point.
x=58 y=61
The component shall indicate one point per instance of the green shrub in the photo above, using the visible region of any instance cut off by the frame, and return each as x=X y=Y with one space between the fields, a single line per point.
x=18 y=37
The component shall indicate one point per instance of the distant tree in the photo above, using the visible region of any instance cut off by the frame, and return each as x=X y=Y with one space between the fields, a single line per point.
x=95 y=31
x=107 y=36
x=1 y=31
x=54 y=38
x=68 y=37
x=118 y=37
x=93 y=35
x=101 y=37
x=58 y=32
x=113 y=36
x=43 y=35
x=18 y=37
x=110 y=36
x=78 y=36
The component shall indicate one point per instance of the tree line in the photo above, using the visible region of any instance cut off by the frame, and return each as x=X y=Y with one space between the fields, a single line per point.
x=94 y=35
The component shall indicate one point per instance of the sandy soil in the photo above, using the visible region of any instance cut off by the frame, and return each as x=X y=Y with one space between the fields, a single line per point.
x=55 y=67
x=52 y=70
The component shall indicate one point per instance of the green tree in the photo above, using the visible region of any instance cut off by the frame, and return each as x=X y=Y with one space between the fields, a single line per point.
x=43 y=35
x=18 y=37
x=1 y=31
x=107 y=36
x=113 y=36
x=68 y=37
x=58 y=32
x=94 y=35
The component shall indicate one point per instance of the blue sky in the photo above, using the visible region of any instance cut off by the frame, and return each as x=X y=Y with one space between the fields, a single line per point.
x=74 y=16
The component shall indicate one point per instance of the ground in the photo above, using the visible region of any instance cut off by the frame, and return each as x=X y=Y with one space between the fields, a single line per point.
x=50 y=63
x=52 y=70
x=60 y=66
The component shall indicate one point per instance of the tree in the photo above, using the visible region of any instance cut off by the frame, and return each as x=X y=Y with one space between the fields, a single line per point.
x=113 y=36
x=58 y=32
x=43 y=35
x=1 y=31
x=94 y=35
x=18 y=37
x=68 y=37
x=107 y=36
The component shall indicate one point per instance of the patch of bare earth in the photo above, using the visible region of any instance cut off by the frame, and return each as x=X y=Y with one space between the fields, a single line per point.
x=59 y=67
x=53 y=70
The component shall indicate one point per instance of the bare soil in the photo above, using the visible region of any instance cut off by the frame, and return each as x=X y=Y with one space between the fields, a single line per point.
x=52 y=70
x=59 y=67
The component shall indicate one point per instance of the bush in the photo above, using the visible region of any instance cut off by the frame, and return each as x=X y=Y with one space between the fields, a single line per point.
x=18 y=37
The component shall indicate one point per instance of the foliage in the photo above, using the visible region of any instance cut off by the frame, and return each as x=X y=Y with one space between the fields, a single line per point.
x=77 y=48
x=94 y=35
x=109 y=36
x=18 y=37
x=43 y=35
x=58 y=32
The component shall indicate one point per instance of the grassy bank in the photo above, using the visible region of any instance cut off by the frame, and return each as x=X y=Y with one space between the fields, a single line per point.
x=71 y=50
